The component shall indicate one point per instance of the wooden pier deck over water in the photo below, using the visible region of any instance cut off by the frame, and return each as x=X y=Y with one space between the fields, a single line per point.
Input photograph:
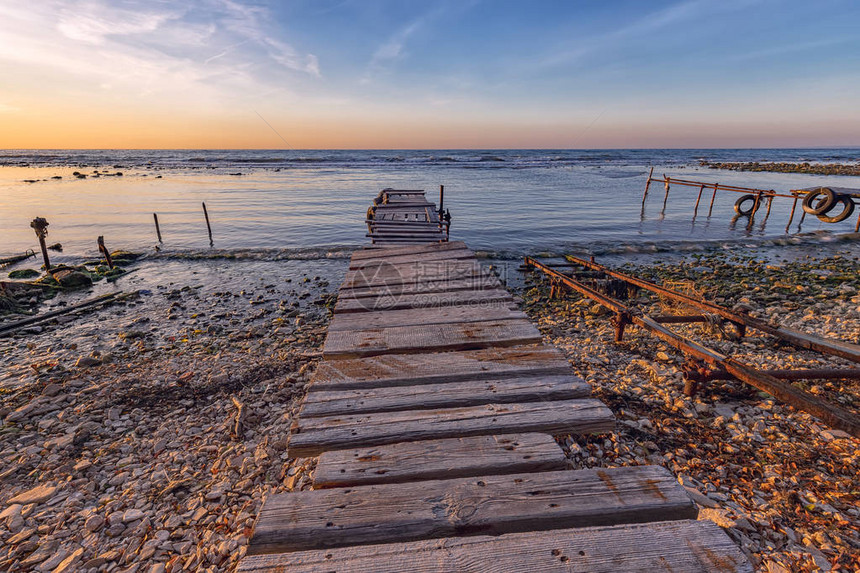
x=433 y=414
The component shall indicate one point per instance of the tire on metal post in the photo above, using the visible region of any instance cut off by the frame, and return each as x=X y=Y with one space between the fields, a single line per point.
x=847 y=210
x=740 y=210
x=823 y=205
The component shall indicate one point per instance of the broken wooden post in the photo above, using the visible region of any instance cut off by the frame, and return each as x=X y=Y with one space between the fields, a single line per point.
x=105 y=251
x=40 y=226
x=647 y=185
x=208 y=226
x=157 y=228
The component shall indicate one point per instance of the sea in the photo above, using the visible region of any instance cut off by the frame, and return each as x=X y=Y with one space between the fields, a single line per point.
x=306 y=205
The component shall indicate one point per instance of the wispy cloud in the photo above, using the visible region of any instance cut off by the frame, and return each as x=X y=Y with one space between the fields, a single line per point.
x=392 y=50
x=792 y=48
x=649 y=23
x=93 y=22
x=209 y=50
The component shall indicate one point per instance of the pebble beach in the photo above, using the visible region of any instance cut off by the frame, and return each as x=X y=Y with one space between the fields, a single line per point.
x=144 y=436
x=782 y=484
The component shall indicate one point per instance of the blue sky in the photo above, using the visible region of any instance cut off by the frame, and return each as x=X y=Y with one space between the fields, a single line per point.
x=388 y=74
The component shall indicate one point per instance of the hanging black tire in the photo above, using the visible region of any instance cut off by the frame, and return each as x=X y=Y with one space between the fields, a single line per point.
x=847 y=210
x=827 y=201
x=746 y=212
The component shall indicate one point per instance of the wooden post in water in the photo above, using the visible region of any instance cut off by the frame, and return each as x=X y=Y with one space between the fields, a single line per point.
x=40 y=226
x=208 y=226
x=157 y=228
x=647 y=185
x=105 y=251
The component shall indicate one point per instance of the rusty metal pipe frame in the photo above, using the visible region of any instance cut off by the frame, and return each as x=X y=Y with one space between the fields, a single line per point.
x=718 y=186
x=831 y=414
x=795 y=337
x=801 y=374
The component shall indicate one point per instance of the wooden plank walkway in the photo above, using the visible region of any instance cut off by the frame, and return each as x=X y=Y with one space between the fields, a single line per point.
x=433 y=414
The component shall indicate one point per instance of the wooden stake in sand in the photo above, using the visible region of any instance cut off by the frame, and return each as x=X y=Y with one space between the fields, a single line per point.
x=40 y=225
x=208 y=226
x=157 y=228
x=103 y=250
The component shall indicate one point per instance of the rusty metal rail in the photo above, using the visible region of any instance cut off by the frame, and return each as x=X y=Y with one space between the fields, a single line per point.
x=708 y=364
x=794 y=337
x=759 y=196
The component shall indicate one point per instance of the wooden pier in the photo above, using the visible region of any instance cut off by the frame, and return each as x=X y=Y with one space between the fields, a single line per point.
x=403 y=217
x=432 y=416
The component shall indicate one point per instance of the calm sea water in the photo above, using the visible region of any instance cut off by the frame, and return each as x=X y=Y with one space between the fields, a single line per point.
x=311 y=204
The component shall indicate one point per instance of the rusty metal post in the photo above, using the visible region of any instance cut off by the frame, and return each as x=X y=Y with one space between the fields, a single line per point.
x=714 y=196
x=699 y=198
x=647 y=185
x=857 y=226
x=104 y=251
x=791 y=216
x=620 y=320
x=40 y=226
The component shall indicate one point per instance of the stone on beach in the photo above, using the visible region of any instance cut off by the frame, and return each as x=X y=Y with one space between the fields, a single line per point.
x=38 y=494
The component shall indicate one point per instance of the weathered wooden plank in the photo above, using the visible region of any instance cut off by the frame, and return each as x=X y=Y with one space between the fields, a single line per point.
x=422 y=316
x=412 y=205
x=427 y=271
x=432 y=234
x=445 y=395
x=400 y=224
x=312 y=436
x=436 y=368
x=478 y=282
x=451 y=255
x=682 y=546
x=398 y=206
x=399 y=242
x=439 y=459
x=496 y=505
x=391 y=301
x=428 y=338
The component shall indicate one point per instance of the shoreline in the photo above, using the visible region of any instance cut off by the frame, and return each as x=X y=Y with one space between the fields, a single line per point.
x=144 y=436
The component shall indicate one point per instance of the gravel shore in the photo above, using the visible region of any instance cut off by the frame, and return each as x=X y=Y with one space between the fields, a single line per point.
x=782 y=484
x=144 y=436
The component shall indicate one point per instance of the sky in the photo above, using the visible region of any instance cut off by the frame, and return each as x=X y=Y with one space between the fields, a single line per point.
x=402 y=74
